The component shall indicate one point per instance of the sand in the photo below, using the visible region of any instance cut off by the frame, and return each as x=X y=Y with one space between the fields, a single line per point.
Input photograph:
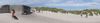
x=48 y=17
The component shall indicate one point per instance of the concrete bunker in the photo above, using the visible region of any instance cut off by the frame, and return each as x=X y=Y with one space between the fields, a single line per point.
x=18 y=8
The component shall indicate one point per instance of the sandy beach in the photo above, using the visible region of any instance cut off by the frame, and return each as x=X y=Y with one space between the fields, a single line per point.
x=48 y=17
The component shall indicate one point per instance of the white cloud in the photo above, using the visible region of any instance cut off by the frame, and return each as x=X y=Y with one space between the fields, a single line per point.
x=26 y=1
x=55 y=1
x=72 y=3
x=97 y=0
x=33 y=1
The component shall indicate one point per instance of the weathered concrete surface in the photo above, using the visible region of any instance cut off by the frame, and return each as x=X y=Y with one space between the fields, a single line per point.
x=5 y=9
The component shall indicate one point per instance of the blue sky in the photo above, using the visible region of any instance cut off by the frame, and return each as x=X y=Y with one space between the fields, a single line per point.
x=65 y=4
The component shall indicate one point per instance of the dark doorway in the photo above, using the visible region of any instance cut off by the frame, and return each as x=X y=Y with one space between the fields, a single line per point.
x=26 y=10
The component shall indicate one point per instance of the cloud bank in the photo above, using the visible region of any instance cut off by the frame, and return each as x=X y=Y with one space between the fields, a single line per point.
x=66 y=4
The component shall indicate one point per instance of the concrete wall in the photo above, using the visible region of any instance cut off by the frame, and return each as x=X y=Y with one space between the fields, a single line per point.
x=8 y=8
x=5 y=9
x=16 y=7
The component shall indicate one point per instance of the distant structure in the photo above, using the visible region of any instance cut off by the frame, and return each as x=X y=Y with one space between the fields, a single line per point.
x=5 y=9
x=17 y=8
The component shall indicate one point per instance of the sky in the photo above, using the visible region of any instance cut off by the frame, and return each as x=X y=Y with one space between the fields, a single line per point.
x=64 y=4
